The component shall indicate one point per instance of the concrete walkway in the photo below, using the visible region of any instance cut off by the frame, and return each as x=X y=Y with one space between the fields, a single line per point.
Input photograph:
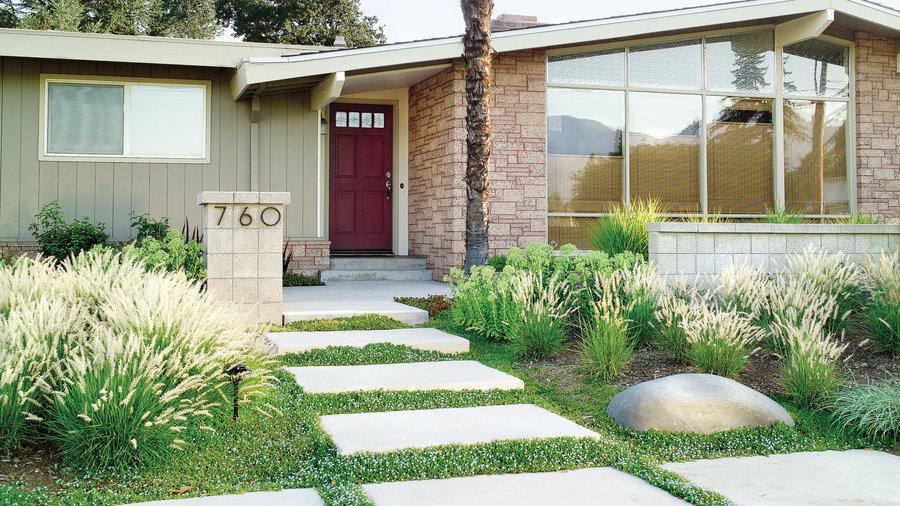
x=399 y=430
x=812 y=478
x=340 y=299
x=420 y=339
x=456 y=375
x=582 y=487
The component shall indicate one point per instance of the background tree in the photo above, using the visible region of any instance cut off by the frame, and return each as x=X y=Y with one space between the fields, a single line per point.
x=310 y=22
x=477 y=60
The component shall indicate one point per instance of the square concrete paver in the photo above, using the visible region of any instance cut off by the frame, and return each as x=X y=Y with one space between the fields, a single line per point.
x=821 y=478
x=446 y=375
x=398 y=430
x=292 y=497
x=420 y=339
x=582 y=487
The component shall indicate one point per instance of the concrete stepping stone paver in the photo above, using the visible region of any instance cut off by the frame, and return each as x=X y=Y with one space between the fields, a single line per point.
x=397 y=430
x=420 y=339
x=581 y=487
x=291 y=497
x=820 y=478
x=447 y=375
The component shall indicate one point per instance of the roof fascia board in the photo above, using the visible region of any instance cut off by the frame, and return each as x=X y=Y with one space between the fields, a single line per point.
x=872 y=13
x=327 y=91
x=805 y=28
x=133 y=49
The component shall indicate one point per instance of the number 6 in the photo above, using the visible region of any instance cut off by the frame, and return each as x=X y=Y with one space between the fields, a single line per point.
x=246 y=220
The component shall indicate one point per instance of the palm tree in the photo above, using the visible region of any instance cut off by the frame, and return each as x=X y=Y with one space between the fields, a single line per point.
x=477 y=59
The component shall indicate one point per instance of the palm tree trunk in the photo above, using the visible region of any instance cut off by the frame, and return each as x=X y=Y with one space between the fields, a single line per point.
x=477 y=59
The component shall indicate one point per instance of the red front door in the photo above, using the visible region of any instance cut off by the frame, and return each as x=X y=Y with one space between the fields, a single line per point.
x=360 y=168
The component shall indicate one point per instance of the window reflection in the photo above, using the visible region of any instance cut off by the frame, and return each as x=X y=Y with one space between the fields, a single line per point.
x=584 y=149
x=815 y=175
x=741 y=62
x=664 y=149
x=816 y=67
x=670 y=65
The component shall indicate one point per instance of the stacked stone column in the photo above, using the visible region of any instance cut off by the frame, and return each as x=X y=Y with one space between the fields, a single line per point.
x=243 y=235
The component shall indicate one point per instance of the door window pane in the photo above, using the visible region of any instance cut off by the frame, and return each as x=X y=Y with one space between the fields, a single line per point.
x=354 y=119
x=816 y=67
x=167 y=121
x=670 y=65
x=815 y=175
x=367 y=120
x=584 y=149
x=340 y=119
x=85 y=119
x=743 y=62
x=739 y=155
x=599 y=68
x=575 y=230
x=664 y=149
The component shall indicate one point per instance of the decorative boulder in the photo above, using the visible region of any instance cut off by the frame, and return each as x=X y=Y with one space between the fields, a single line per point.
x=699 y=403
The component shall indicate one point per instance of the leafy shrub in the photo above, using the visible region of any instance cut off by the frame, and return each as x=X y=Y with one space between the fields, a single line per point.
x=172 y=254
x=783 y=216
x=871 y=409
x=295 y=279
x=883 y=311
x=128 y=358
x=147 y=227
x=498 y=262
x=483 y=302
x=59 y=239
x=625 y=229
x=719 y=342
x=809 y=371
x=539 y=329
x=606 y=347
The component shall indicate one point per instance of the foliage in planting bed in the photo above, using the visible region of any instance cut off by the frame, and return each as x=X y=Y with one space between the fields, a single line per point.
x=870 y=409
x=363 y=322
x=377 y=353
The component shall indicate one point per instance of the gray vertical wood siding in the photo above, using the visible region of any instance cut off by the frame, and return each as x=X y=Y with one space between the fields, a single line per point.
x=109 y=191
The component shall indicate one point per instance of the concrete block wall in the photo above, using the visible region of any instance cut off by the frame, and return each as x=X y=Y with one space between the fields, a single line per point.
x=685 y=250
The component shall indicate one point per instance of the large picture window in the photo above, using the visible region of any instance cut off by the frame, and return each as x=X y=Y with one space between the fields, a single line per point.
x=694 y=123
x=86 y=119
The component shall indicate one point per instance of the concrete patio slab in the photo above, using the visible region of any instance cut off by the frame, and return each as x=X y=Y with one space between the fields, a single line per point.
x=820 y=478
x=448 y=375
x=398 y=430
x=420 y=339
x=292 y=497
x=339 y=299
x=582 y=487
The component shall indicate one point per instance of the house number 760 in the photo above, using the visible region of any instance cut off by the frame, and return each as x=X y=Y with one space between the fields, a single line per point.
x=270 y=216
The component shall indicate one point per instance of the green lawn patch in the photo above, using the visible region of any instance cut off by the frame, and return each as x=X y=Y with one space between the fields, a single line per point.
x=376 y=353
x=362 y=322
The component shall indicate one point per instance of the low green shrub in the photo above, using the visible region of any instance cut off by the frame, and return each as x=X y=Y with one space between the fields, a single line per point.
x=295 y=279
x=625 y=229
x=172 y=254
x=809 y=371
x=783 y=216
x=59 y=239
x=483 y=302
x=719 y=342
x=498 y=262
x=870 y=409
x=539 y=329
x=149 y=227
x=883 y=311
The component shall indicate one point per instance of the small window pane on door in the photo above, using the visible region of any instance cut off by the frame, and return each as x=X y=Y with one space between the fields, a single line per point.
x=85 y=119
x=378 y=120
x=354 y=119
x=367 y=120
x=340 y=119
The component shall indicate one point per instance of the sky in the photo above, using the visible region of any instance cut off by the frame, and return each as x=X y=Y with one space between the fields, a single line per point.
x=405 y=20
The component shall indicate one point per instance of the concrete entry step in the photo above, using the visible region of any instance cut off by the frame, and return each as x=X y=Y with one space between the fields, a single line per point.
x=581 y=487
x=352 y=263
x=398 y=430
x=447 y=375
x=376 y=275
x=820 y=478
x=291 y=497
x=420 y=339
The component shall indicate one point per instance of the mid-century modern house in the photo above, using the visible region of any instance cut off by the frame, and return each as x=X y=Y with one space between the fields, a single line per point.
x=731 y=109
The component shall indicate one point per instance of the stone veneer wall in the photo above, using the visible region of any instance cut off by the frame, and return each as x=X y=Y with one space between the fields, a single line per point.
x=19 y=248
x=688 y=249
x=310 y=256
x=878 y=126
x=518 y=186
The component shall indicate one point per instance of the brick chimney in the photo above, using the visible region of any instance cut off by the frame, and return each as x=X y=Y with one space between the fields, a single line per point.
x=512 y=21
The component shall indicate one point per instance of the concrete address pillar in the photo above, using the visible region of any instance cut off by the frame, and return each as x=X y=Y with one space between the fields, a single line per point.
x=243 y=236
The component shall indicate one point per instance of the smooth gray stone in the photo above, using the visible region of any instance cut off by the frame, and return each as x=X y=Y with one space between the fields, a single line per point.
x=699 y=403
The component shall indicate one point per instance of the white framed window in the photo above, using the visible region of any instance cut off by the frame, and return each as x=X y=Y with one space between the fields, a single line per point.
x=99 y=119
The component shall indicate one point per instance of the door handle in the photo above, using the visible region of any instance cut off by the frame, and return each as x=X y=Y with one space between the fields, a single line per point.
x=389 y=186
